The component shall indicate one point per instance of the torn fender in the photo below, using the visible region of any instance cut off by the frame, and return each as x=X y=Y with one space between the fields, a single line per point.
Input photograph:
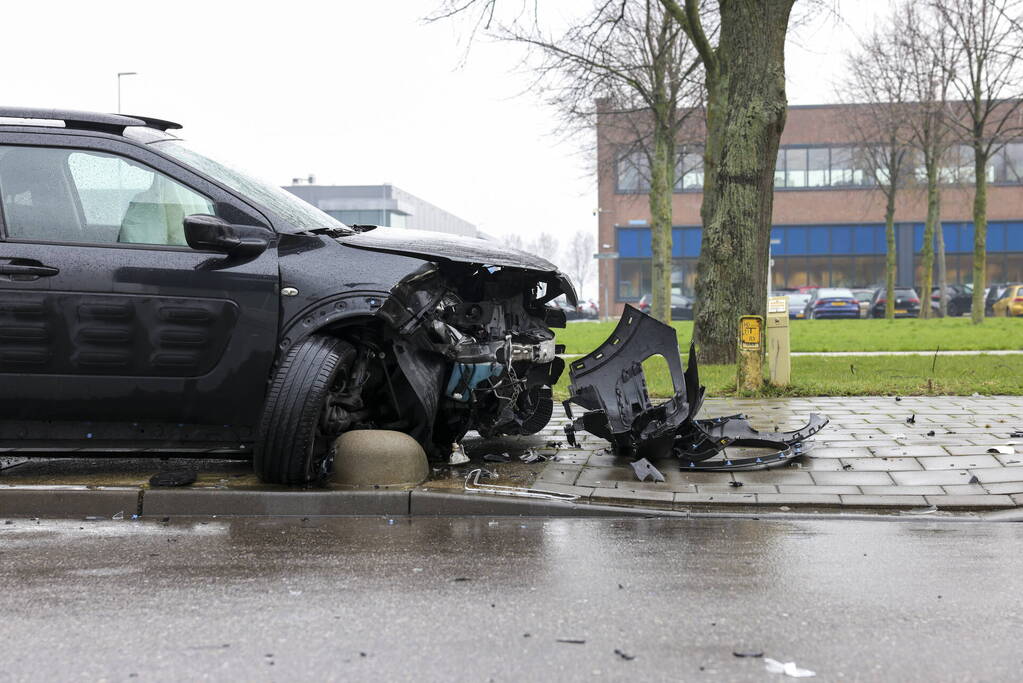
x=609 y=383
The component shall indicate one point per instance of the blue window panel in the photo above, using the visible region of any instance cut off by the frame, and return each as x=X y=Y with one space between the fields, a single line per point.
x=691 y=239
x=966 y=237
x=1014 y=237
x=676 y=242
x=864 y=238
x=996 y=236
x=780 y=234
x=634 y=243
x=951 y=231
x=795 y=241
x=819 y=240
x=841 y=239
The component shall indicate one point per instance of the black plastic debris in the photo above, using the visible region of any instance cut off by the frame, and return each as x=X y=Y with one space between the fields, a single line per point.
x=743 y=653
x=610 y=385
x=911 y=420
x=625 y=655
x=644 y=470
x=930 y=433
x=173 y=478
x=735 y=484
x=497 y=457
x=573 y=641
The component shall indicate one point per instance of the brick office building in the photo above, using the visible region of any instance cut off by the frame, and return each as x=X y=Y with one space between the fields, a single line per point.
x=828 y=216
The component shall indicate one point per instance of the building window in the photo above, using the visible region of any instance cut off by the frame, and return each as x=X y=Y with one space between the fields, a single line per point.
x=633 y=279
x=817 y=167
x=633 y=172
x=689 y=169
x=795 y=167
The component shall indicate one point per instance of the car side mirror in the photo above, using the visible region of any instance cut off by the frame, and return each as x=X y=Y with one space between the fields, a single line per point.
x=209 y=233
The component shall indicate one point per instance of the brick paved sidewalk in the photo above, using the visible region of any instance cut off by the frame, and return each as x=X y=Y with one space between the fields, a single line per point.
x=868 y=456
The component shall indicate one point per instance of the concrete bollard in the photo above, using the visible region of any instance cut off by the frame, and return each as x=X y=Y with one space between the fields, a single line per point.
x=379 y=457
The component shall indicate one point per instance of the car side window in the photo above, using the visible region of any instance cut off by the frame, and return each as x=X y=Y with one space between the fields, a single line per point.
x=73 y=195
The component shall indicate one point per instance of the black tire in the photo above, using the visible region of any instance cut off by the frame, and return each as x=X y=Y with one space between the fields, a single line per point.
x=292 y=447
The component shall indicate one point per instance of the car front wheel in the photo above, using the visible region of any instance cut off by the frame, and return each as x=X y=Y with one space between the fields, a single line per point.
x=297 y=431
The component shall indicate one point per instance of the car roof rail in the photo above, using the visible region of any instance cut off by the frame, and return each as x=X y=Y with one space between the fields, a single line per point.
x=87 y=120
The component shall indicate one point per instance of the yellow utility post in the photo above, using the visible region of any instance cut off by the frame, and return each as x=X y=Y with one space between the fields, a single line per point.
x=750 y=375
x=778 y=361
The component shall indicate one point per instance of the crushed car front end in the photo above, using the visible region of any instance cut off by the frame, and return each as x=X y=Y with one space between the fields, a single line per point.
x=441 y=334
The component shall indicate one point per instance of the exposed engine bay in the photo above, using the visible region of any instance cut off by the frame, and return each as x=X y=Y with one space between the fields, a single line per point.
x=455 y=347
x=610 y=384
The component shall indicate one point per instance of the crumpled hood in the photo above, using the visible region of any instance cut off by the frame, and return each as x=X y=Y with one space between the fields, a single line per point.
x=444 y=246
x=440 y=245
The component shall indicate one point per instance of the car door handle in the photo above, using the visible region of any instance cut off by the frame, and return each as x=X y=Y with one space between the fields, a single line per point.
x=27 y=267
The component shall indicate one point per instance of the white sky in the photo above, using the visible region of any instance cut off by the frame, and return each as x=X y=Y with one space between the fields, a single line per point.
x=354 y=92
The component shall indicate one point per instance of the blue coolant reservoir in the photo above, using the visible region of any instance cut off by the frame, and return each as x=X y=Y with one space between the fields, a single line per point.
x=466 y=376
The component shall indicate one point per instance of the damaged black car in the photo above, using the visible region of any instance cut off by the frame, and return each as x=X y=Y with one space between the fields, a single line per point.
x=154 y=300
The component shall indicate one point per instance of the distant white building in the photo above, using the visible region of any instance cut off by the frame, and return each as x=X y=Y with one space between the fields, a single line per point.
x=384 y=205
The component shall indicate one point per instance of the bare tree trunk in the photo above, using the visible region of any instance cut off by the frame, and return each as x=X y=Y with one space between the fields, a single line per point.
x=662 y=178
x=890 y=260
x=942 y=268
x=745 y=117
x=979 y=232
x=927 y=251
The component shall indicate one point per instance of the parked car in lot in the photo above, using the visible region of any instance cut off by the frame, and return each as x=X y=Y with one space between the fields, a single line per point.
x=571 y=312
x=1010 y=304
x=589 y=309
x=907 y=303
x=831 y=302
x=797 y=305
x=995 y=292
x=681 y=306
x=960 y=300
x=863 y=296
x=153 y=299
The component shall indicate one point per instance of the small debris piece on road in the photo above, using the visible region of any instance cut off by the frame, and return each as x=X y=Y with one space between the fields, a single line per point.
x=572 y=641
x=458 y=456
x=497 y=457
x=911 y=420
x=930 y=433
x=788 y=668
x=173 y=478
x=644 y=469
x=532 y=456
x=625 y=655
x=735 y=484
x=1003 y=450
x=738 y=653
x=1016 y=435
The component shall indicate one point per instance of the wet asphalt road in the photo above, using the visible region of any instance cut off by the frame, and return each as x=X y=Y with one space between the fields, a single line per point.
x=482 y=599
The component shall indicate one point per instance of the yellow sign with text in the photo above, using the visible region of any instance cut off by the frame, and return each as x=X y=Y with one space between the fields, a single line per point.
x=751 y=332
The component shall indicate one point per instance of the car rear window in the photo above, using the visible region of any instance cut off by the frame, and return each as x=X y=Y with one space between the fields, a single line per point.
x=835 y=294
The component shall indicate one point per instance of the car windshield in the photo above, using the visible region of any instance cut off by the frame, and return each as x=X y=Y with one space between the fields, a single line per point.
x=834 y=294
x=298 y=213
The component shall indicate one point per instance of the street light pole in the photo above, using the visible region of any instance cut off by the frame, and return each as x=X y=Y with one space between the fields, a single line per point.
x=121 y=74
